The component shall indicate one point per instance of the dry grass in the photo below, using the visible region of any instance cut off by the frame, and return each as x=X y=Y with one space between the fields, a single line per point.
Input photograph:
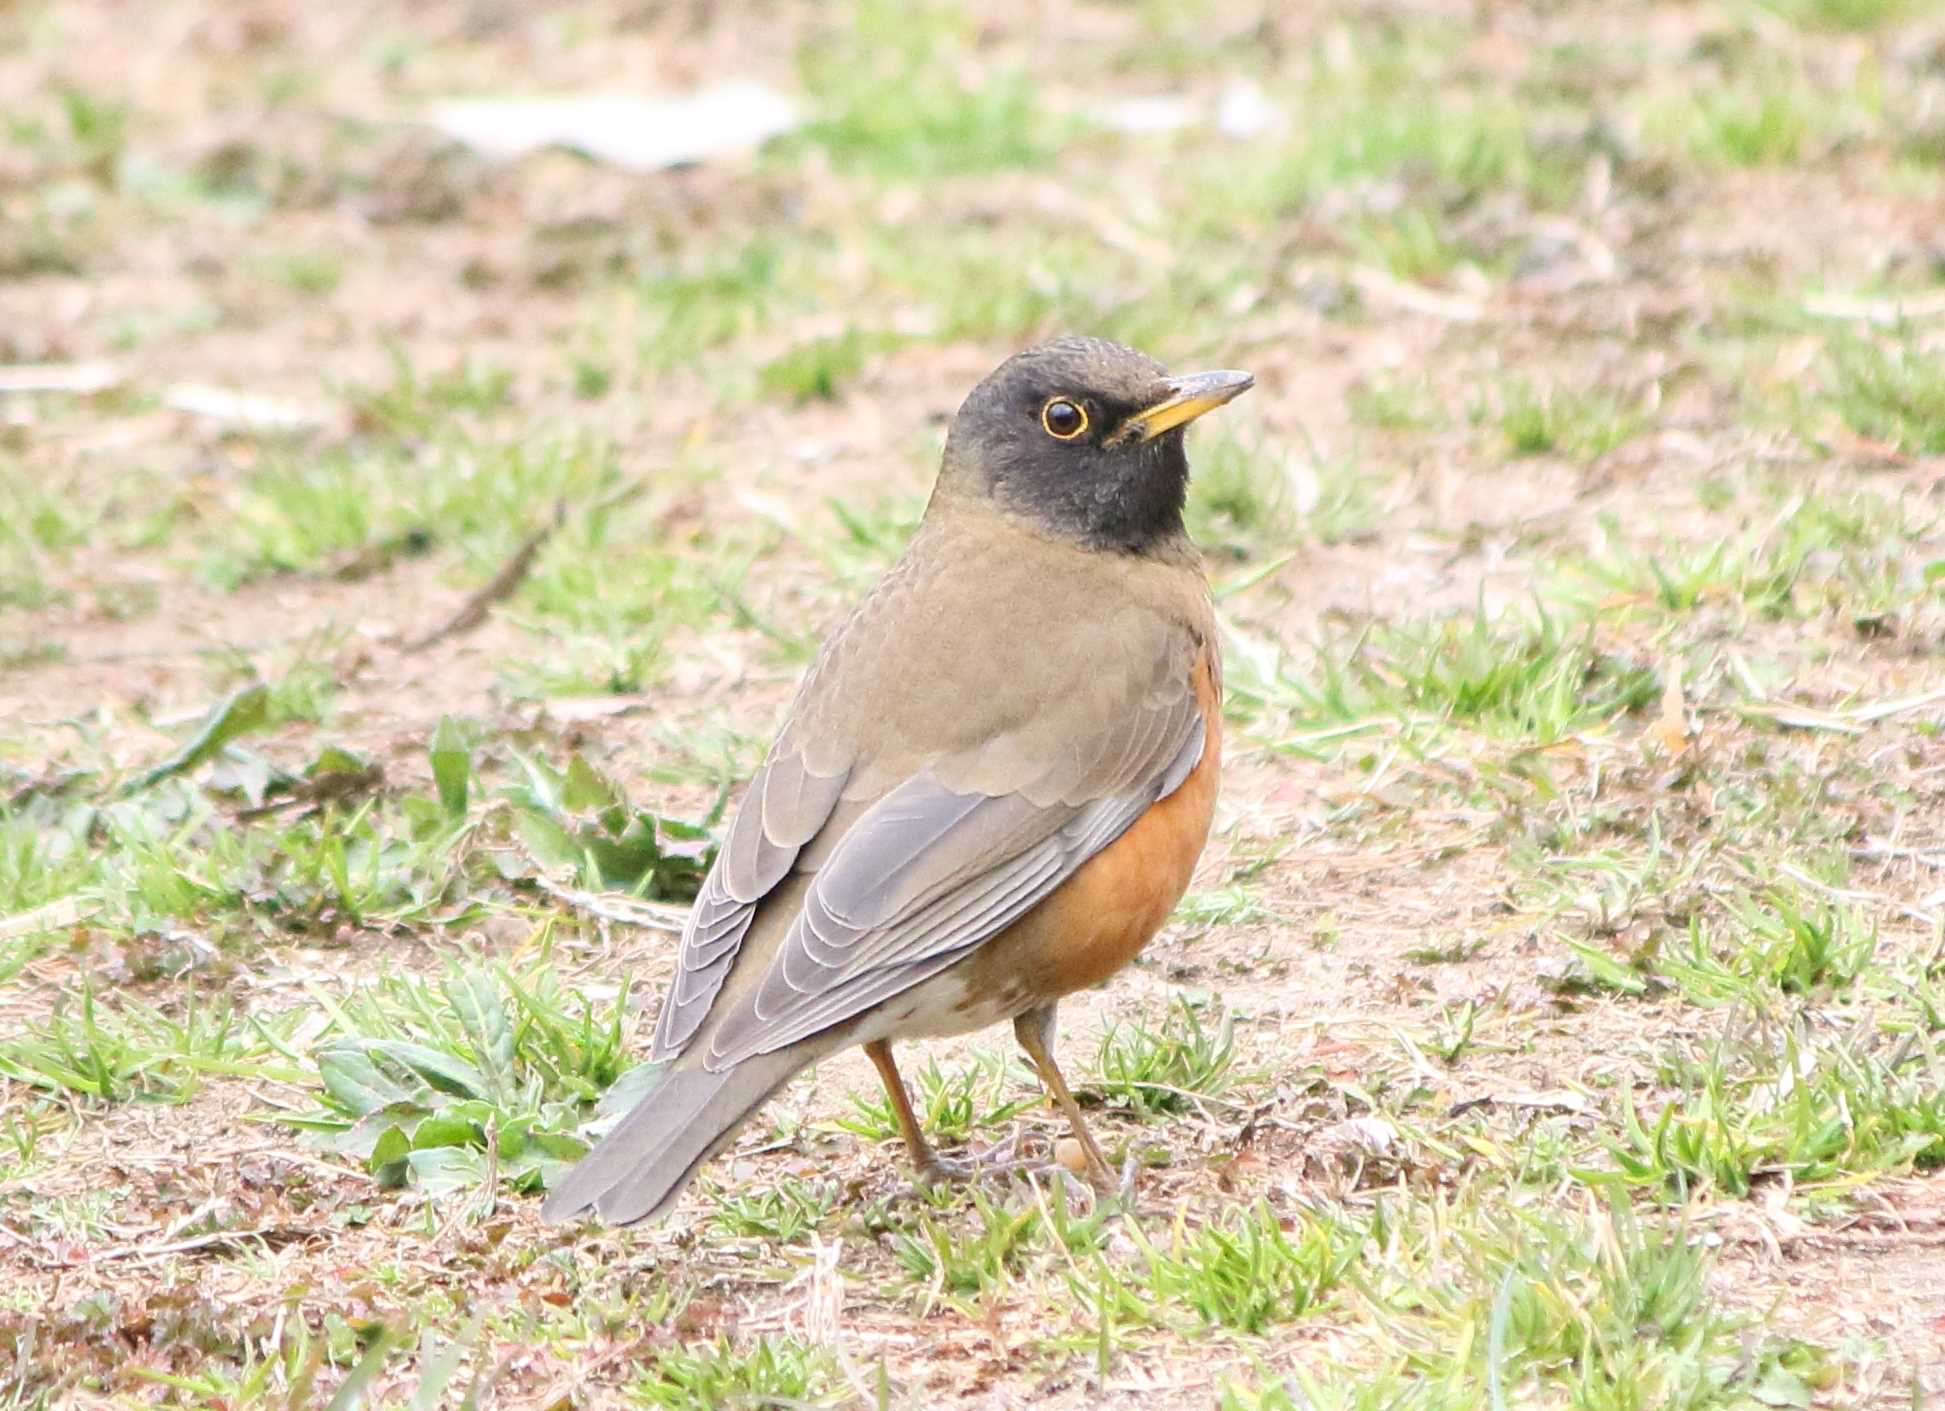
x=1557 y=1018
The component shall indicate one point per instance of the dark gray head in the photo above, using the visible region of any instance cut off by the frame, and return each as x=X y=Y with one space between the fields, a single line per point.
x=1084 y=437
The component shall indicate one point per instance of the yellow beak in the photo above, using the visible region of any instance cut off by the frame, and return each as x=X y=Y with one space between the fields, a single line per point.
x=1188 y=398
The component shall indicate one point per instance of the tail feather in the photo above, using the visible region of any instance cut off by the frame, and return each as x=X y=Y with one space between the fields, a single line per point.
x=637 y=1170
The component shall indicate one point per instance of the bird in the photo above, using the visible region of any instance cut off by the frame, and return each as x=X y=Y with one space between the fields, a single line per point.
x=989 y=792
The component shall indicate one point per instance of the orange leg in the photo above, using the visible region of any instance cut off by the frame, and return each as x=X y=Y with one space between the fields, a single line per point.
x=927 y=1165
x=1035 y=1031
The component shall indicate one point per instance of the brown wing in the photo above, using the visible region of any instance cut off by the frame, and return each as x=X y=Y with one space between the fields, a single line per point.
x=921 y=811
x=928 y=873
x=785 y=807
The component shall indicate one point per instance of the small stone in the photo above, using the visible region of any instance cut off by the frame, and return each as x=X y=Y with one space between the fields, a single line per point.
x=1070 y=1154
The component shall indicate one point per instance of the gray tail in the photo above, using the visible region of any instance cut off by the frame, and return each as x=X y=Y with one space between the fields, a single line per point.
x=637 y=1170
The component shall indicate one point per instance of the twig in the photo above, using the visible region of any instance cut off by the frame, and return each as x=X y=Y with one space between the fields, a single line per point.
x=1797 y=874
x=1873 y=851
x=192 y=1217
x=501 y=586
x=156 y=1251
x=1375 y=284
x=1880 y=311
x=53 y=916
x=616 y=906
x=1847 y=722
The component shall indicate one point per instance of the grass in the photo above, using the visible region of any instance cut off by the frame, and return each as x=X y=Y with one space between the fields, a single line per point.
x=480 y=1079
x=1767 y=111
x=1570 y=910
x=221 y=838
x=783 y=1214
x=37 y=528
x=1807 y=1108
x=1893 y=393
x=1759 y=576
x=1393 y=403
x=1169 y=1069
x=1614 y=1310
x=1365 y=124
x=1252 y=499
x=1254 y=1271
x=167 y=855
x=1809 y=551
x=1774 y=945
x=1243 y=499
x=893 y=102
x=607 y=605
x=1863 y=15
x=314 y=274
x=947 y=1260
x=1599 y=1309
x=952 y=1107
x=770 y=1372
x=690 y=309
x=129 y=1051
x=817 y=369
x=1581 y=425
x=1413 y=244
x=1532 y=678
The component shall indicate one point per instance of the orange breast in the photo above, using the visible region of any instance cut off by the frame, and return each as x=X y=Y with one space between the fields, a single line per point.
x=1107 y=911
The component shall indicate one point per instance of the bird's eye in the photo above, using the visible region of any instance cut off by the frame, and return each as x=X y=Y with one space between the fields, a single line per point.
x=1063 y=420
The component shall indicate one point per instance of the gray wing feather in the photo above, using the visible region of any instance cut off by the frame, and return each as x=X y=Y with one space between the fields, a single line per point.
x=785 y=806
x=921 y=878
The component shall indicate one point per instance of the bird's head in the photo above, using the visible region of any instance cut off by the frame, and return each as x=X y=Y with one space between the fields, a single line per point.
x=1083 y=437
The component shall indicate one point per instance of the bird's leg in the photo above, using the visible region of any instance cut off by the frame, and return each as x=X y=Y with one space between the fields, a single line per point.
x=1035 y=1031
x=927 y=1164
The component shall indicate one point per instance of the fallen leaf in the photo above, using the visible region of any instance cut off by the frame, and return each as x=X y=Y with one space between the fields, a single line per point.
x=1671 y=726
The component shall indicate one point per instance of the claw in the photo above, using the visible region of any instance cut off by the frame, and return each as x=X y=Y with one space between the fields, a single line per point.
x=1001 y=1158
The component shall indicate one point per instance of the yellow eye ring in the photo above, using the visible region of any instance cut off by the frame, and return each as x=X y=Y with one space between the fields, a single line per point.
x=1063 y=418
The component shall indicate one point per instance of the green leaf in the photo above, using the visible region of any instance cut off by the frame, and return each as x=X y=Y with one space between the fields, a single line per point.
x=1607 y=970
x=543 y=782
x=444 y=1169
x=1782 y=1387
x=475 y=997
x=445 y=1130
x=244 y=711
x=443 y=1070
x=631 y=1088
x=359 y=1139
x=555 y=1146
x=452 y=764
x=335 y=759
x=358 y=1084
x=586 y=790
x=627 y=861
x=480 y=1113
x=249 y=774
x=551 y=844
x=388 y=1155
x=440 y=1365
x=351 y=1391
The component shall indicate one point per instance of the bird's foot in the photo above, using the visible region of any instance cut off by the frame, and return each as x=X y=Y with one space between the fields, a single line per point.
x=1001 y=1158
x=1112 y=1192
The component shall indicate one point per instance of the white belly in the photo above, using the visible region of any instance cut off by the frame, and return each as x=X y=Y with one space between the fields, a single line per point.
x=938 y=1008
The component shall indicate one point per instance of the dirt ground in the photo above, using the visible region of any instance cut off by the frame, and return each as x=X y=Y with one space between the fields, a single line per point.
x=1576 y=906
